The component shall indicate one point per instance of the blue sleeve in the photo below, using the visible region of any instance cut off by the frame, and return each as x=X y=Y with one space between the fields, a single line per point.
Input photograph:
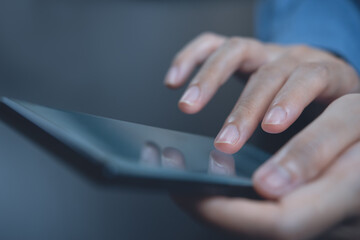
x=333 y=25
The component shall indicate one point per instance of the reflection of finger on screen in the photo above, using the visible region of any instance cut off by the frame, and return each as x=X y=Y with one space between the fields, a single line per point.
x=150 y=154
x=221 y=163
x=172 y=158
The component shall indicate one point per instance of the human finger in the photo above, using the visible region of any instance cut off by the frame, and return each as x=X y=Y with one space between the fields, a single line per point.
x=311 y=151
x=236 y=53
x=190 y=56
x=302 y=214
x=309 y=81
x=247 y=113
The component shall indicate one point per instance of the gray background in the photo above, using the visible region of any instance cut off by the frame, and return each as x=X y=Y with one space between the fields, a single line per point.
x=106 y=58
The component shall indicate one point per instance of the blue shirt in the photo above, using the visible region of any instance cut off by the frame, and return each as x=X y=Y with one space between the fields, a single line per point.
x=333 y=25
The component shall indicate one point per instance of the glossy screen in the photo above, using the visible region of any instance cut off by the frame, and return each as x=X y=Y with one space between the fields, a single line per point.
x=129 y=148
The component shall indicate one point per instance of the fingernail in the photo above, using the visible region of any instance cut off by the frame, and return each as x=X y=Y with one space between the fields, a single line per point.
x=171 y=77
x=230 y=135
x=191 y=95
x=276 y=177
x=276 y=115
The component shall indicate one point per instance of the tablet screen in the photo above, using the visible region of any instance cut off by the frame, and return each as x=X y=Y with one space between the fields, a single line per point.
x=124 y=147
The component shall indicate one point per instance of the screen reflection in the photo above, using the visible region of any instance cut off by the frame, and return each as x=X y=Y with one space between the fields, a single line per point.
x=125 y=147
x=221 y=163
x=172 y=158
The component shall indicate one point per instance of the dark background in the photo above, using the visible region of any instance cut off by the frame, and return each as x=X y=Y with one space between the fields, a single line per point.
x=106 y=58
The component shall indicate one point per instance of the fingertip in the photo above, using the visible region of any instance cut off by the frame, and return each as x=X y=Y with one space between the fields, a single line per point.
x=263 y=191
x=257 y=180
x=277 y=119
x=190 y=101
x=188 y=108
x=172 y=85
x=272 y=181
x=230 y=139
x=226 y=147
x=172 y=76
x=274 y=128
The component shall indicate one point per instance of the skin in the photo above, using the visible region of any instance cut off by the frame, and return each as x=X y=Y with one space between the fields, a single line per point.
x=309 y=208
x=284 y=79
x=312 y=182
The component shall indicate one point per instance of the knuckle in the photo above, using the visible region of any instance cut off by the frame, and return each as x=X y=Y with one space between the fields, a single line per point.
x=245 y=111
x=238 y=44
x=317 y=73
x=299 y=50
x=243 y=46
x=268 y=69
x=242 y=42
x=320 y=68
x=268 y=73
x=321 y=72
x=305 y=159
x=179 y=58
x=209 y=77
x=207 y=35
x=235 y=41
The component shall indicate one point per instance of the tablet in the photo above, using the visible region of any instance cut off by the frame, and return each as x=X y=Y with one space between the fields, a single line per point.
x=124 y=154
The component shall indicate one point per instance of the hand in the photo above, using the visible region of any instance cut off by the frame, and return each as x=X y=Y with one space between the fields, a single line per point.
x=284 y=81
x=318 y=183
